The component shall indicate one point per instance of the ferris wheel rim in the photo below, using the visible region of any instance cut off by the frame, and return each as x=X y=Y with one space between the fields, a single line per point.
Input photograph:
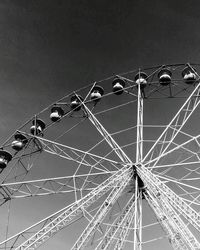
x=123 y=157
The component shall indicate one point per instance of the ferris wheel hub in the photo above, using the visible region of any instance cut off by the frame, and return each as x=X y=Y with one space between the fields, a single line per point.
x=141 y=185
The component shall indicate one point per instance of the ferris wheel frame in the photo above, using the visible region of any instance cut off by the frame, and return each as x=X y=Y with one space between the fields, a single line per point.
x=166 y=204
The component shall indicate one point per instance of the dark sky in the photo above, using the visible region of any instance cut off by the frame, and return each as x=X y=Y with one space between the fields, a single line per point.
x=49 y=48
x=52 y=47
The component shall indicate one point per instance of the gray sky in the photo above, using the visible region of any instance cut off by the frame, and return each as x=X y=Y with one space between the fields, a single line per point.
x=49 y=48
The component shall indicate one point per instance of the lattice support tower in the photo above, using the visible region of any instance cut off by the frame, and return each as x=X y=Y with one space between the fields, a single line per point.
x=176 y=242
x=163 y=198
x=118 y=224
x=101 y=213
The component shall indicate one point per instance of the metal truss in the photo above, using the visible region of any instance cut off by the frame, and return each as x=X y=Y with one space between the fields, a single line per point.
x=101 y=213
x=59 y=185
x=119 y=223
x=95 y=165
x=23 y=161
x=151 y=180
x=65 y=217
x=176 y=241
x=73 y=154
x=113 y=144
x=137 y=217
x=53 y=224
x=139 y=148
x=134 y=218
x=173 y=128
x=187 y=161
x=173 y=218
x=125 y=229
x=152 y=163
x=172 y=211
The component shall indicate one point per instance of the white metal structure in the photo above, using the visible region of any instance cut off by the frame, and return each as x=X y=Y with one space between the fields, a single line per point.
x=134 y=187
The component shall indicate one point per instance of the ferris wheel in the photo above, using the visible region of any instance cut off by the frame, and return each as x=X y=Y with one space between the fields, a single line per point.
x=122 y=154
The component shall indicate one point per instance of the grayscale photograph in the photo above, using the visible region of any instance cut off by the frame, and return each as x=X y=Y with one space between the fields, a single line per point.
x=100 y=125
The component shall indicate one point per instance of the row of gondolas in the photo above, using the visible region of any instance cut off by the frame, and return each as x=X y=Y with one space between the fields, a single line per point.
x=118 y=85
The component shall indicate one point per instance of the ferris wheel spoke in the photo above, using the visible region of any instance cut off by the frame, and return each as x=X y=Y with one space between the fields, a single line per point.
x=186 y=134
x=190 y=151
x=59 y=185
x=101 y=213
x=135 y=244
x=107 y=189
x=175 y=125
x=174 y=165
x=187 y=176
x=118 y=223
x=166 y=223
x=15 y=241
x=179 y=183
x=125 y=230
x=71 y=153
x=184 y=146
x=186 y=189
x=22 y=163
x=113 y=144
x=153 y=182
x=193 y=200
x=133 y=217
x=181 y=229
x=48 y=227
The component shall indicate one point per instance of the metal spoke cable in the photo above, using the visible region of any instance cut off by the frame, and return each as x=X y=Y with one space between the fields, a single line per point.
x=99 y=216
x=176 y=121
x=116 y=225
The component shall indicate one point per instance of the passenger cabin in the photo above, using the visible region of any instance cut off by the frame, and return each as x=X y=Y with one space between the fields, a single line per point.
x=189 y=75
x=38 y=127
x=5 y=157
x=75 y=102
x=96 y=93
x=141 y=78
x=56 y=113
x=118 y=85
x=164 y=76
x=19 y=142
